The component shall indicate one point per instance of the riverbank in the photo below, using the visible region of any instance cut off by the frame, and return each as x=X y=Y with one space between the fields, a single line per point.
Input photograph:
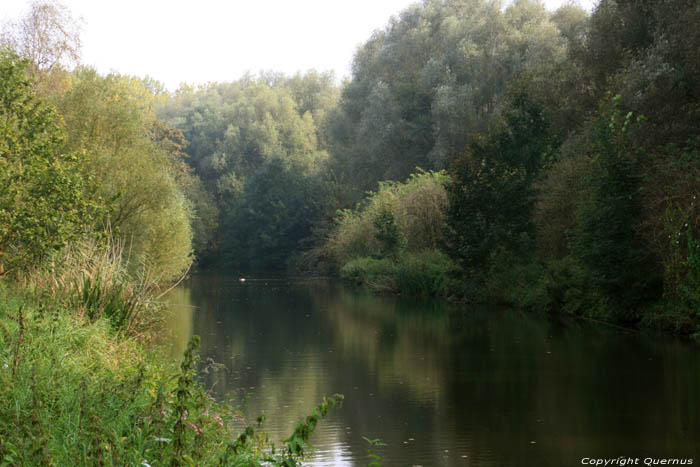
x=77 y=389
x=557 y=287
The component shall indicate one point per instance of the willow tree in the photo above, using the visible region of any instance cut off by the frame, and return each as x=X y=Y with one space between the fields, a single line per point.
x=111 y=125
x=433 y=76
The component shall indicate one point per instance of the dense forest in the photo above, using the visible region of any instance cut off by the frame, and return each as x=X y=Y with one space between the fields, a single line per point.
x=482 y=150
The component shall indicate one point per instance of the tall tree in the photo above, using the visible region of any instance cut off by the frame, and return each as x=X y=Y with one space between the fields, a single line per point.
x=110 y=121
x=431 y=78
x=492 y=193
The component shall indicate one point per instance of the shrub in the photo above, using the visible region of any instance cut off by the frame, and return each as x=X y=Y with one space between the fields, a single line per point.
x=425 y=273
x=422 y=274
x=377 y=274
x=397 y=217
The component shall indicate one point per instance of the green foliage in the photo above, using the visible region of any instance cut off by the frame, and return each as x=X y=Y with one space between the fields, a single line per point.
x=74 y=392
x=274 y=216
x=390 y=244
x=387 y=233
x=257 y=146
x=559 y=285
x=689 y=287
x=671 y=185
x=605 y=239
x=424 y=274
x=492 y=197
x=378 y=274
x=183 y=397
x=418 y=274
x=302 y=433
x=398 y=217
x=93 y=278
x=374 y=459
x=111 y=123
x=44 y=194
x=559 y=194
x=431 y=78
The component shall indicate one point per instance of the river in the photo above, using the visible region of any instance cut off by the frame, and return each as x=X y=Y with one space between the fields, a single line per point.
x=440 y=384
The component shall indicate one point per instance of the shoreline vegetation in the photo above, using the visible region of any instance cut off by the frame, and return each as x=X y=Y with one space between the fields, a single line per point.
x=560 y=160
x=83 y=383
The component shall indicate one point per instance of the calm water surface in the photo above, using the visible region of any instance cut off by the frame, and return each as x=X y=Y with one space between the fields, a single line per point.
x=440 y=384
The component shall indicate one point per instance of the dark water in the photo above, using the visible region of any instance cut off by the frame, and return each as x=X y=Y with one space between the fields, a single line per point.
x=441 y=385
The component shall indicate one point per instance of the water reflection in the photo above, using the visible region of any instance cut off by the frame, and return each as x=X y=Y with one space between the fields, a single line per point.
x=440 y=385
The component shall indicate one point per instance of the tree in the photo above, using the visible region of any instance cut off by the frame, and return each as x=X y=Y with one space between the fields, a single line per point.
x=44 y=194
x=110 y=121
x=242 y=136
x=606 y=238
x=492 y=192
x=48 y=36
x=274 y=217
x=434 y=76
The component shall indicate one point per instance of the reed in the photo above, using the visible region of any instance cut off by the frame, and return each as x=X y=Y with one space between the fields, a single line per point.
x=96 y=279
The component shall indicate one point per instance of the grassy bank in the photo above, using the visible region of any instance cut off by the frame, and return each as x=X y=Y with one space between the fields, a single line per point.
x=81 y=383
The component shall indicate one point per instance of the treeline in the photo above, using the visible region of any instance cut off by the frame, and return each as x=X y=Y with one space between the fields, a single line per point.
x=582 y=194
x=572 y=149
x=259 y=149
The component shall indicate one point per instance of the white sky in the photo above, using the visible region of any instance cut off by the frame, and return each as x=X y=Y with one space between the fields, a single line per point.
x=176 y=41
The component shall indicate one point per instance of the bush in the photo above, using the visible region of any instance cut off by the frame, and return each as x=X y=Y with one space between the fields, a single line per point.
x=419 y=274
x=398 y=217
x=424 y=274
x=377 y=274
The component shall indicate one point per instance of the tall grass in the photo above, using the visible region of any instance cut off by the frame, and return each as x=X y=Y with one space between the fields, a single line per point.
x=95 y=280
x=75 y=392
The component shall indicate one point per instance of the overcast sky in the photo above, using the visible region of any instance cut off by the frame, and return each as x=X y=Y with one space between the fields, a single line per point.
x=177 y=41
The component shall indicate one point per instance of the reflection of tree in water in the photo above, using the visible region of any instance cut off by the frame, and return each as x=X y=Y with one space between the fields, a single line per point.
x=177 y=316
x=482 y=383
